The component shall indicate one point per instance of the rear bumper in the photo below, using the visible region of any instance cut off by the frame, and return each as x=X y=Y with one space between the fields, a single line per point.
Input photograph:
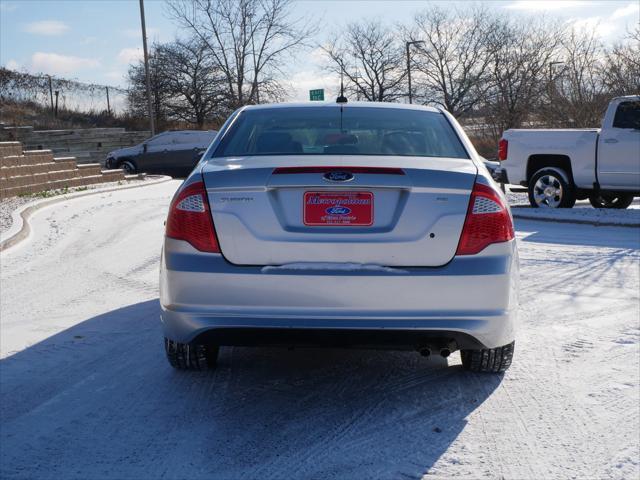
x=471 y=300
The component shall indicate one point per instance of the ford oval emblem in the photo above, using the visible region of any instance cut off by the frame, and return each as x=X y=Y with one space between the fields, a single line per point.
x=338 y=176
x=338 y=210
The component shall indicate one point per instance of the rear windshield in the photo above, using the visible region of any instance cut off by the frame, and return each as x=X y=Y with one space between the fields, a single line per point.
x=330 y=131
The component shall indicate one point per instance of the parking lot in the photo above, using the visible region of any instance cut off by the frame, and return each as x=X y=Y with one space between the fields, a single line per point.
x=85 y=390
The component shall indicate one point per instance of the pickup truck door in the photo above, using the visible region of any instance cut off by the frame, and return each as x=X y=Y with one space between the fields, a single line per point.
x=619 y=149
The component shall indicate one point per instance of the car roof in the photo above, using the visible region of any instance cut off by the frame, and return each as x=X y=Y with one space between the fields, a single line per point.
x=396 y=106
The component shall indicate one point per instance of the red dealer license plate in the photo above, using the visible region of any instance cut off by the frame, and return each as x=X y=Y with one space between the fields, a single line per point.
x=338 y=208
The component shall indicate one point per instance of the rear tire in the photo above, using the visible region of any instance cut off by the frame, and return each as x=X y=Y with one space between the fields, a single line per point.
x=610 y=200
x=128 y=166
x=488 y=360
x=548 y=189
x=189 y=356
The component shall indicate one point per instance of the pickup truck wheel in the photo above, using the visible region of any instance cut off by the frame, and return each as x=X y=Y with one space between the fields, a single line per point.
x=488 y=360
x=610 y=200
x=548 y=189
x=187 y=356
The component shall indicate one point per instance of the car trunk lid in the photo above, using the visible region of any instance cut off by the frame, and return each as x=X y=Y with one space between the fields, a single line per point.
x=374 y=210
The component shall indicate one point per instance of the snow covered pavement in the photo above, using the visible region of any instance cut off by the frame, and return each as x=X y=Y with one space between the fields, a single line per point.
x=85 y=391
x=582 y=212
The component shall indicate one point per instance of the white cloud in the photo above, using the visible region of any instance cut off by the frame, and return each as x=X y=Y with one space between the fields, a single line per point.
x=46 y=27
x=12 y=65
x=303 y=81
x=61 y=64
x=631 y=9
x=601 y=27
x=542 y=5
x=319 y=56
x=130 y=55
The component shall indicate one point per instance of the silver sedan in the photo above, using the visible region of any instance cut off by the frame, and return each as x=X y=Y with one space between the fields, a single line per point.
x=352 y=224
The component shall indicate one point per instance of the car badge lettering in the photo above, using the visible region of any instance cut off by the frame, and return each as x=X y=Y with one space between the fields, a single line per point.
x=338 y=210
x=338 y=176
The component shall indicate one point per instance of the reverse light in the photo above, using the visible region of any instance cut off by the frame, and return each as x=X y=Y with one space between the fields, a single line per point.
x=488 y=221
x=190 y=219
x=503 y=149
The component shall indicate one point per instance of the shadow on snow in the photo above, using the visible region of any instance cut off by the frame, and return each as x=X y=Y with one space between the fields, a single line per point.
x=99 y=400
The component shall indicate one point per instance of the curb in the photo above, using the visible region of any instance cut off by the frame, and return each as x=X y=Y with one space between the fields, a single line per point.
x=20 y=228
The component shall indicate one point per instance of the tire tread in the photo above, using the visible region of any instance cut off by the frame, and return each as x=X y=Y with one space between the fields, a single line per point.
x=185 y=356
x=488 y=360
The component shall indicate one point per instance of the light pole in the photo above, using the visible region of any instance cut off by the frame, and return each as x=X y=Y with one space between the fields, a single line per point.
x=414 y=42
x=152 y=122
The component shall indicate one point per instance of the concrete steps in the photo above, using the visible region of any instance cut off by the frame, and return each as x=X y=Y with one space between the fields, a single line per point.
x=34 y=171
x=89 y=145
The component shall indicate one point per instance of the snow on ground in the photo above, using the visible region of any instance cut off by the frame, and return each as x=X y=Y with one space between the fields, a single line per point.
x=11 y=204
x=583 y=212
x=85 y=391
x=595 y=216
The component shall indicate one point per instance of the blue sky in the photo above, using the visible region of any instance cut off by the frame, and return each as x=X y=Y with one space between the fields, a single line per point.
x=94 y=40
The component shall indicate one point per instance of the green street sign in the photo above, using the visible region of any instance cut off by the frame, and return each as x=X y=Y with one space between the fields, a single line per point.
x=316 y=95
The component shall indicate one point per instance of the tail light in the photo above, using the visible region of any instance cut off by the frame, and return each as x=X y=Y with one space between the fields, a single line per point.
x=488 y=221
x=503 y=149
x=190 y=219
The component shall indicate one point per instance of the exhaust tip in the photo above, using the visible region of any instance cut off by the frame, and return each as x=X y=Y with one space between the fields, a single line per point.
x=425 y=352
x=445 y=352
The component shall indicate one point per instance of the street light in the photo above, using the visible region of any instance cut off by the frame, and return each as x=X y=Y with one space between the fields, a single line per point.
x=414 y=42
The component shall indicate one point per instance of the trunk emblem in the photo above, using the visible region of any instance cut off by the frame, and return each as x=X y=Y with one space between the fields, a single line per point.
x=338 y=210
x=338 y=176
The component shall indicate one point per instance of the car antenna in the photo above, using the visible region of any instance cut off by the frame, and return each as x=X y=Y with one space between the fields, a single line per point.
x=341 y=98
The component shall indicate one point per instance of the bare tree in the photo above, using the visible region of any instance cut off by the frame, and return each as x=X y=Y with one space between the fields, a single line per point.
x=193 y=81
x=371 y=58
x=247 y=40
x=622 y=68
x=520 y=57
x=160 y=92
x=577 y=96
x=454 y=53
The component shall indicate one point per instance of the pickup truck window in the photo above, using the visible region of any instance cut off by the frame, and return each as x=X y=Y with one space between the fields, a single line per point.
x=627 y=115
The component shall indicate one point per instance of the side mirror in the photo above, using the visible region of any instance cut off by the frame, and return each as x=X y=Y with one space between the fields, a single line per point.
x=144 y=148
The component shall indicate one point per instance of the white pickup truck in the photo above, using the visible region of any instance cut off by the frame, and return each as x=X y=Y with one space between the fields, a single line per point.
x=560 y=166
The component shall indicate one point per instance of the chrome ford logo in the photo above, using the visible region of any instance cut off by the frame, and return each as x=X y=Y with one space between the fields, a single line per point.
x=338 y=176
x=338 y=210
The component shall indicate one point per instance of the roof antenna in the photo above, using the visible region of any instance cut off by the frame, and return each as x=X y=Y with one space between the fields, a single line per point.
x=341 y=98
